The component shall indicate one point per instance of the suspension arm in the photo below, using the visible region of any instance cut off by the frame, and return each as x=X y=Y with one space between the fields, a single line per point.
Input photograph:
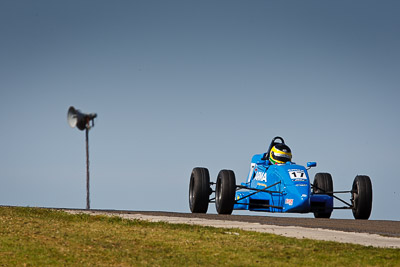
x=258 y=190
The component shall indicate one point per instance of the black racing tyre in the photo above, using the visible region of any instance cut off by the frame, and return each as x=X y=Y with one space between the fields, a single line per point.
x=199 y=190
x=225 y=190
x=362 y=197
x=323 y=184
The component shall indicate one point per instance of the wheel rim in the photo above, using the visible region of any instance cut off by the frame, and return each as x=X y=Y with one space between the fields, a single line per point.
x=191 y=193
x=355 y=196
x=218 y=193
x=316 y=190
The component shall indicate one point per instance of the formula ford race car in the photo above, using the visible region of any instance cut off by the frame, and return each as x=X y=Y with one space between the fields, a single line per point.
x=277 y=188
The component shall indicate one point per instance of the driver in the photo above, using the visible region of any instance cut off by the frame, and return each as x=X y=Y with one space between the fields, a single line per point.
x=280 y=154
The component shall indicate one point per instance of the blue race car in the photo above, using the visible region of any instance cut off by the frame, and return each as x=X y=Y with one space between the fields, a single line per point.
x=275 y=184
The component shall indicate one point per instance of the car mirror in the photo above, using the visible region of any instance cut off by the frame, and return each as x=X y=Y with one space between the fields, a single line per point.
x=311 y=164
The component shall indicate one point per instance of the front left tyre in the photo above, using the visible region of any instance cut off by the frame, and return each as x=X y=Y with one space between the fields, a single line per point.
x=225 y=191
x=199 y=190
x=323 y=184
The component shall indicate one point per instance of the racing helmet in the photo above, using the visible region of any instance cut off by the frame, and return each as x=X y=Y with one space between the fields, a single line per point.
x=280 y=154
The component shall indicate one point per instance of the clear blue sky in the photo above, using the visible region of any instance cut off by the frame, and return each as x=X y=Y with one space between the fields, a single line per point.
x=180 y=84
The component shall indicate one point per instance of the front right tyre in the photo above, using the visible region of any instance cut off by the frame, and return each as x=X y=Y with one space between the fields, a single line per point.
x=199 y=190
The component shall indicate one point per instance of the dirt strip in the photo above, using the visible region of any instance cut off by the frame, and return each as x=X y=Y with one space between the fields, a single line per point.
x=379 y=227
x=361 y=238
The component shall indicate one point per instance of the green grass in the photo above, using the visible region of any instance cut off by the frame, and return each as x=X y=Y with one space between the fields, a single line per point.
x=41 y=237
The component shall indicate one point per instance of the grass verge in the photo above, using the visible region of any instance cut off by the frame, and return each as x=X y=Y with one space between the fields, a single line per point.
x=42 y=237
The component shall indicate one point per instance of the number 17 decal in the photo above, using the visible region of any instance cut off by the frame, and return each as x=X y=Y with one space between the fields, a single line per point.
x=297 y=174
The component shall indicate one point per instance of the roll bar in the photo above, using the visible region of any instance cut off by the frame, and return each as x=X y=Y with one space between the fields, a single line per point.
x=273 y=142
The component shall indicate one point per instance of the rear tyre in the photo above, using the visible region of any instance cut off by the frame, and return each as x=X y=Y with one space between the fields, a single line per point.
x=362 y=197
x=225 y=190
x=322 y=184
x=199 y=190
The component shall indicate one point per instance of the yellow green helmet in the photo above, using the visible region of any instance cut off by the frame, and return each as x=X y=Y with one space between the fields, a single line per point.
x=280 y=154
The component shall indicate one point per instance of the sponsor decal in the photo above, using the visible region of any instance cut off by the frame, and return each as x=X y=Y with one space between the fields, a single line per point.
x=289 y=201
x=261 y=176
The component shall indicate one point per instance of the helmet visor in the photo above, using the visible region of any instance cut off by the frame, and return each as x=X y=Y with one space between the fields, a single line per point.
x=283 y=157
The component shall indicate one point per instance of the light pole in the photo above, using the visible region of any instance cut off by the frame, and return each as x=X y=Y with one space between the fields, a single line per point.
x=82 y=121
